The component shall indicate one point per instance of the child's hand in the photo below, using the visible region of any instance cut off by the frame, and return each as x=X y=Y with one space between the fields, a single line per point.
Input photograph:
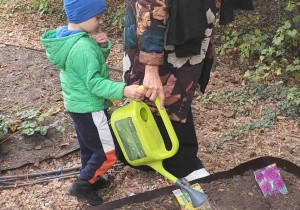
x=133 y=93
x=101 y=38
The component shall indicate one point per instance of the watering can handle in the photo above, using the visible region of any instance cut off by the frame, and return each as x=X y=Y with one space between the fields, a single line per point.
x=165 y=117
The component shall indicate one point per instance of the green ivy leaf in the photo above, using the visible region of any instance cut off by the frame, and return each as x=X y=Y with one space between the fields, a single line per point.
x=277 y=41
x=3 y=131
x=27 y=131
x=296 y=19
x=58 y=126
x=264 y=51
x=296 y=61
x=44 y=130
x=257 y=32
x=292 y=33
x=29 y=124
x=247 y=74
x=279 y=71
x=296 y=75
x=41 y=118
x=292 y=68
x=265 y=37
x=28 y=114
x=287 y=25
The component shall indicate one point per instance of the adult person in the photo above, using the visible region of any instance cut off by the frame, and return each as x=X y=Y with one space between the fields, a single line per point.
x=168 y=48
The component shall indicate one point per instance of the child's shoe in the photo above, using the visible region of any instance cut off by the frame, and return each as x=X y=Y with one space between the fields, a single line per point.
x=84 y=191
x=102 y=183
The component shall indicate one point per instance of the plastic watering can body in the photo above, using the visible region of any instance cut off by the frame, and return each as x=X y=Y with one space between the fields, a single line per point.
x=139 y=136
x=142 y=144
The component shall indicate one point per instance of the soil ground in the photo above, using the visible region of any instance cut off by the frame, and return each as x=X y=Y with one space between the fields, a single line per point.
x=28 y=80
x=240 y=192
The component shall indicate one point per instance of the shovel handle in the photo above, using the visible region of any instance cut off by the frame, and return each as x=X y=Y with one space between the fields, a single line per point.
x=165 y=117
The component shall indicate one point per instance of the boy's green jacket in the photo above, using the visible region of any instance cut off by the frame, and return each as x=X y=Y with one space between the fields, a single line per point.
x=84 y=73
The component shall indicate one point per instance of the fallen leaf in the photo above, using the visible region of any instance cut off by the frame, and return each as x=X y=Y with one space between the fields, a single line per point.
x=20 y=203
x=215 y=129
x=43 y=164
x=38 y=147
x=243 y=83
x=55 y=183
x=16 y=192
x=53 y=110
x=132 y=194
x=37 y=164
x=251 y=194
x=64 y=144
x=281 y=117
x=13 y=128
x=296 y=130
x=68 y=182
x=73 y=135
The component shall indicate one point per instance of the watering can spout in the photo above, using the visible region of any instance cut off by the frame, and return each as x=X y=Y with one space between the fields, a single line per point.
x=197 y=198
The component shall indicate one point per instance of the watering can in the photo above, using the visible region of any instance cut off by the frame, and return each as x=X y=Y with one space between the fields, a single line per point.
x=142 y=144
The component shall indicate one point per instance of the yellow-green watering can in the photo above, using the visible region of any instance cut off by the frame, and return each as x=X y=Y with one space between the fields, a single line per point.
x=142 y=144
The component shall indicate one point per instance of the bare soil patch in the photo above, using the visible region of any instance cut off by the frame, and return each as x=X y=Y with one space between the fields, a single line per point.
x=29 y=81
x=240 y=192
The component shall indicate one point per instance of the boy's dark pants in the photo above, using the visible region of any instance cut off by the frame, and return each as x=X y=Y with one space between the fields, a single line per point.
x=97 y=149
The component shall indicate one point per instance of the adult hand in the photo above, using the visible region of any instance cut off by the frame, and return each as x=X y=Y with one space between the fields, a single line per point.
x=152 y=85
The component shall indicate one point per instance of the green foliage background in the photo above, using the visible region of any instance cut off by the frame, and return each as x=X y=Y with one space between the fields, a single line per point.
x=270 y=42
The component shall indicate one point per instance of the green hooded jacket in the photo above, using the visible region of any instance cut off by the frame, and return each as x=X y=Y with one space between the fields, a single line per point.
x=83 y=72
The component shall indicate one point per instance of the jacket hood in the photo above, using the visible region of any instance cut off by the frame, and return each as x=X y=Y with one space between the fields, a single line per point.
x=57 y=49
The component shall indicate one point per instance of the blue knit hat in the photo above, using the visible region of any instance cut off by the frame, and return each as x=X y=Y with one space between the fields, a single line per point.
x=82 y=10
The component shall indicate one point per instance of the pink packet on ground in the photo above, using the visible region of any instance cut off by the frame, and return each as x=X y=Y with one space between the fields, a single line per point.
x=270 y=181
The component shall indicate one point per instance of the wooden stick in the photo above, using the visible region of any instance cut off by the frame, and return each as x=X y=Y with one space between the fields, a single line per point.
x=59 y=176
x=29 y=48
x=31 y=183
x=292 y=135
x=38 y=174
x=6 y=183
x=49 y=177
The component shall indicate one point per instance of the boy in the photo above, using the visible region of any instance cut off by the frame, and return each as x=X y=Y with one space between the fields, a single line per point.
x=86 y=89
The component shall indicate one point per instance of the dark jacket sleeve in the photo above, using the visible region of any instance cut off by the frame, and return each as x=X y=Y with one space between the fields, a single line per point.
x=228 y=7
x=151 y=17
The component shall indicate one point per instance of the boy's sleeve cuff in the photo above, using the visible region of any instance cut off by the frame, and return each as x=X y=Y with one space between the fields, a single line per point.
x=119 y=94
x=108 y=45
x=152 y=59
